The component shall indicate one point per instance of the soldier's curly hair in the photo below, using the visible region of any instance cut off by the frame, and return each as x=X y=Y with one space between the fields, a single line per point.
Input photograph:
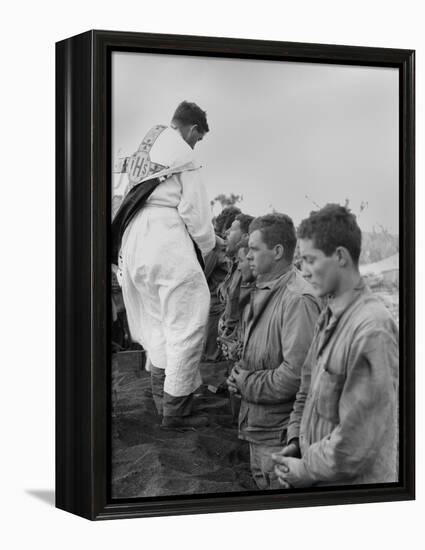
x=332 y=226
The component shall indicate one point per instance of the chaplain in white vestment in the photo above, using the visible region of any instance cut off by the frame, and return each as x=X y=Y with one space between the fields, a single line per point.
x=164 y=288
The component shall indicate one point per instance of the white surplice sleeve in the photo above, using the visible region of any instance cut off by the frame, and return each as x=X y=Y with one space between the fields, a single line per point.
x=195 y=210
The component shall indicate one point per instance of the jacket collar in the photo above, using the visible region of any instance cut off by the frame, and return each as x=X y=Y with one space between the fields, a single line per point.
x=333 y=311
x=279 y=281
x=259 y=300
x=340 y=304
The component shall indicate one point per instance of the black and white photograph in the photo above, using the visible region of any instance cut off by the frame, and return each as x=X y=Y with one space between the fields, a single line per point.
x=254 y=327
x=212 y=237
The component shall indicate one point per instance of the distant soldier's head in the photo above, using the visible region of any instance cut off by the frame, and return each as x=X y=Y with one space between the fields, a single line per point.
x=191 y=121
x=330 y=243
x=272 y=242
x=243 y=263
x=237 y=231
x=225 y=219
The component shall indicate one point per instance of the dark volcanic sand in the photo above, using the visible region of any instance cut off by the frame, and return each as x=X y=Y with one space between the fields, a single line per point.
x=148 y=461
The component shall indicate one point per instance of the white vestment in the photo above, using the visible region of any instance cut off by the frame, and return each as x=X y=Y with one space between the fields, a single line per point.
x=165 y=292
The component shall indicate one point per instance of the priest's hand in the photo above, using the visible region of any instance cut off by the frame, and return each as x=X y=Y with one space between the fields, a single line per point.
x=291 y=471
x=291 y=449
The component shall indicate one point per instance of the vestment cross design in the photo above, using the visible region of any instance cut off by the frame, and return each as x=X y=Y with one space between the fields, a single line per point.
x=139 y=165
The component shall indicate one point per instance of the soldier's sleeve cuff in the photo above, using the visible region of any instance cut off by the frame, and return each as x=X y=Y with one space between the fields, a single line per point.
x=301 y=474
x=293 y=432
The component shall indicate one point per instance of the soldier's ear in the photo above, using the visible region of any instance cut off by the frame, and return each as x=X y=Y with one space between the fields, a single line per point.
x=279 y=251
x=343 y=256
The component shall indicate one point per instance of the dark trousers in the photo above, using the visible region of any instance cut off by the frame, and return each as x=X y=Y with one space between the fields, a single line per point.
x=166 y=404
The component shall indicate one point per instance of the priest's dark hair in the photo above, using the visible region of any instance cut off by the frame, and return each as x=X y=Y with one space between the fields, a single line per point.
x=188 y=114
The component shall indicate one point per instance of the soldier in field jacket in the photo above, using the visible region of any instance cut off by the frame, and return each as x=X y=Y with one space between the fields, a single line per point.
x=343 y=429
x=278 y=330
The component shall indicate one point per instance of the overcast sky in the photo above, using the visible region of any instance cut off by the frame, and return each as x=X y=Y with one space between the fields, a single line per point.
x=279 y=132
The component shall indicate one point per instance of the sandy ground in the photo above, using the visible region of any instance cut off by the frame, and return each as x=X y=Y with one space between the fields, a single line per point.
x=148 y=461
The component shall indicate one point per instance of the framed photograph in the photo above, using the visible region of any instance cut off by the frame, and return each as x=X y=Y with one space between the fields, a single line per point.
x=235 y=275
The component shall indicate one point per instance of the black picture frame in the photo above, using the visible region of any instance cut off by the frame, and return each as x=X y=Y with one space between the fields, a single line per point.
x=83 y=160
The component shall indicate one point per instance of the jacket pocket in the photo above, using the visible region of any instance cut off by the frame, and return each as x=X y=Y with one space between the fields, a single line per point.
x=268 y=418
x=329 y=391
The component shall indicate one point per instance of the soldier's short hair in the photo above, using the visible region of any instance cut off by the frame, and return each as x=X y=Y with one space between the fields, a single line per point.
x=332 y=226
x=277 y=229
x=189 y=113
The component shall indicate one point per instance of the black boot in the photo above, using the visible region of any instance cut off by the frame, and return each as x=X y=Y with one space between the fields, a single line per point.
x=157 y=385
x=178 y=413
x=184 y=422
